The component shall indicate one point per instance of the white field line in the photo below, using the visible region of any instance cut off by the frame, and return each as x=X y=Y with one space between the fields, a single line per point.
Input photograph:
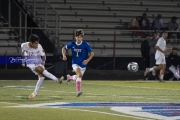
x=75 y=109
x=139 y=118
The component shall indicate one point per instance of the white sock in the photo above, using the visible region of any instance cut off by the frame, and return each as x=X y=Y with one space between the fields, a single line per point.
x=49 y=75
x=151 y=69
x=38 y=84
x=74 y=77
x=161 y=77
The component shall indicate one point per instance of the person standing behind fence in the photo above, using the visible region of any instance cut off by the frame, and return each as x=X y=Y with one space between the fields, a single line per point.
x=152 y=44
x=145 y=51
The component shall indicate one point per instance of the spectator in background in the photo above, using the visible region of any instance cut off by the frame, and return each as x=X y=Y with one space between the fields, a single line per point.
x=152 y=44
x=158 y=23
x=173 y=25
x=173 y=61
x=145 y=51
x=144 y=22
x=134 y=25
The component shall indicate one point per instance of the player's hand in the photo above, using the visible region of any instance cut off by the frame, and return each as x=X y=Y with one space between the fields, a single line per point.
x=85 y=62
x=43 y=63
x=64 y=58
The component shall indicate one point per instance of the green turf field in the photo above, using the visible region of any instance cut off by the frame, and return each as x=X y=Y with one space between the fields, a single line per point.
x=15 y=93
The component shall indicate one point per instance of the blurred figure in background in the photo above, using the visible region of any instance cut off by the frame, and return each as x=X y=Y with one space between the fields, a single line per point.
x=144 y=22
x=173 y=60
x=173 y=25
x=158 y=23
x=152 y=44
x=145 y=52
x=134 y=25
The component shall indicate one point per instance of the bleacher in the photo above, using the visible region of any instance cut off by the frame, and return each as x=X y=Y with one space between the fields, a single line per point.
x=9 y=40
x=101 y=19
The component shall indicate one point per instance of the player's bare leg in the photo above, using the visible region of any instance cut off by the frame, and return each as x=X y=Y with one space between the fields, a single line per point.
x=152 y=69
x=38 y=86
x=162 y=73
x=43 y=71
x=78 y=81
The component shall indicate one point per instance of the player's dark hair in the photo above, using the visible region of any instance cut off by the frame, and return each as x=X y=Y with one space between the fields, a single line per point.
x=33 y=38
x=164 y=32
x=79 y=32
x=174 y=18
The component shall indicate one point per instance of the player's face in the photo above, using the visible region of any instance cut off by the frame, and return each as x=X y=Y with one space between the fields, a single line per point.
x=79 y=39
x=34 y=44
x=164 y=35
x=175 y=52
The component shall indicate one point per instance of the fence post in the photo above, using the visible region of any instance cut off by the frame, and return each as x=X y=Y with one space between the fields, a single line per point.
x=114 y=52
x=9 y=8
x=59 y=30
x=34 y=10
x=20 y=25
x=56 y=29
x=45 y=15
x=25 y=27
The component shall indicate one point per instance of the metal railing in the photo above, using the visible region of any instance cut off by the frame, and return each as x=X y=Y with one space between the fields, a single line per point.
x=43 y=20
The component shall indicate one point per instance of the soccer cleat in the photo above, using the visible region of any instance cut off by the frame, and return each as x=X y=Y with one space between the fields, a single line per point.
x=79 y=93
x=146 y=72
x=60 y=80
x=161 y=81
x=32 y=96
x=68 y=80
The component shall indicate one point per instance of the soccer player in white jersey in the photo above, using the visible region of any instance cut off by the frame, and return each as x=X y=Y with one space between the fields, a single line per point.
x=82 y=53
x=33 y=51
x=160 y=56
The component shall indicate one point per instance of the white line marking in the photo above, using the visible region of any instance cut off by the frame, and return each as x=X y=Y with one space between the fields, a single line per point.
x=92 y=111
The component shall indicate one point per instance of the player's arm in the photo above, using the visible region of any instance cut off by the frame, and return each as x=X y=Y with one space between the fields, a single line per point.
x=43 y=55
x=68 y=46
x=158 y=48
x=64 y=53
x=22 y=54
x=91 y=55
x=43 y=59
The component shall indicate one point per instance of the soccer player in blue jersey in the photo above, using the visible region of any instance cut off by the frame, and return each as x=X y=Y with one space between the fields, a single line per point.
x=82 y=53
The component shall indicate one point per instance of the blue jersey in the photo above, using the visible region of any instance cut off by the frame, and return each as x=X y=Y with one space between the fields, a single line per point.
x=79 y=52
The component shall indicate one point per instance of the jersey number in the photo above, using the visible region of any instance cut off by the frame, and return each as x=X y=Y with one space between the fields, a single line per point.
x=30 y=53
x=77 y=54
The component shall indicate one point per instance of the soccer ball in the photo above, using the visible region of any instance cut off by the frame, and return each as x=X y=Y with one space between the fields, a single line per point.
x=133 y=67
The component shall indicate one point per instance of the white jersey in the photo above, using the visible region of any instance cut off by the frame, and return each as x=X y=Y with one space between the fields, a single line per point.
x=34 y=54
x=162 y=44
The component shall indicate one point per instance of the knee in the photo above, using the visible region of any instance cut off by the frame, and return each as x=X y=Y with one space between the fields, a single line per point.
x=40 y=75
x=39 y=69
x=79 y=75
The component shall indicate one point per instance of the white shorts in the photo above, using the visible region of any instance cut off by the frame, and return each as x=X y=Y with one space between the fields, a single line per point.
x=161 y=60
x=74 y=66
x=33 y=67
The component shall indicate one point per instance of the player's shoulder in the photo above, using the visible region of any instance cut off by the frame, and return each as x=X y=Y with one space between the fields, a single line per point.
x=161 y=39
x=24 y=44
x=85 y=42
